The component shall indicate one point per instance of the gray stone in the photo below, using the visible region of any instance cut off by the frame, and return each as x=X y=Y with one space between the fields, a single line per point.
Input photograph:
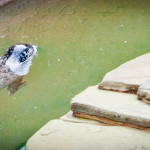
x=129 y=76
x=63 y=135
x=144 y=92
x=70 y=118
x=119 y=107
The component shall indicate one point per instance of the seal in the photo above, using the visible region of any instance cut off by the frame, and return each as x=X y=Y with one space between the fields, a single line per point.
x=15 y=64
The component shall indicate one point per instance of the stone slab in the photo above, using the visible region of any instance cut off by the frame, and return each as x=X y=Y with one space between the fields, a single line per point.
x=144 y=92
x=115 y=106
x=70 y=118
x=62 y=135
x=129 y=76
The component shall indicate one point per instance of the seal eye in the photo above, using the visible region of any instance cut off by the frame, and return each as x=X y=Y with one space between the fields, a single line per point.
x=24 y=55
x=22 y=59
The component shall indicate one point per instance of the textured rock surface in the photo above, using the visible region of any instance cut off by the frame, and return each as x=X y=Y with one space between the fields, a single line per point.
x=144 y=92
x=70 y=118
x=120 y=107
x=129 y=76
x=62 y=135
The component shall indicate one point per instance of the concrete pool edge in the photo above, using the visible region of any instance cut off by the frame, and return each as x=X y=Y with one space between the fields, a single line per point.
x=55 y=135
x=107 y=111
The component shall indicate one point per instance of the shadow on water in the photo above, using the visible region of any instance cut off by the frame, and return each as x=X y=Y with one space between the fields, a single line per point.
x=21 y=147
x=79 y=41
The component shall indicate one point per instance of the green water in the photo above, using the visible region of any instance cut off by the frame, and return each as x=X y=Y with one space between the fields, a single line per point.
x=79 y=41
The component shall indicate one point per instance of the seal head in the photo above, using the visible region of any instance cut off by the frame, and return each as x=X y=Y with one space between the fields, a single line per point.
x=14 y=64
x=18 y=58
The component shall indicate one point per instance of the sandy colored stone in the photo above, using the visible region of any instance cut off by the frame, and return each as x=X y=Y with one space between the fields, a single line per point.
x=62 y=135
x=129 y=76
x=120 y=107
x=70 y=118
x=110 y=122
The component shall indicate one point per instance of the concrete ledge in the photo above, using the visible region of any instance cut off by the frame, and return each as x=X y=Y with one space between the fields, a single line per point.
x=144 y=92
x=63 y=135
x=70 y=118
x=119 y=107
x=128 y=76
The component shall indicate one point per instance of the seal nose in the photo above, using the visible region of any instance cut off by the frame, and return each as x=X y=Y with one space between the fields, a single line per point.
x=35 y=48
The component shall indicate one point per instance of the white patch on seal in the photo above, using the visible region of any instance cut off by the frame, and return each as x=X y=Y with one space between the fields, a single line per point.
x=20 y=68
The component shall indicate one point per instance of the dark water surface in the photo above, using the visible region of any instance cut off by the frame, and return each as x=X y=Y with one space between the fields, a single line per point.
x=79 y=41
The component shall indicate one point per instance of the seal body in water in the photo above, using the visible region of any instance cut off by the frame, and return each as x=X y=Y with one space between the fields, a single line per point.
x=14 y=64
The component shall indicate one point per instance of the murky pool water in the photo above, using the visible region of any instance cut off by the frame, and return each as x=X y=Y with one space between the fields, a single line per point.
x=79 y=41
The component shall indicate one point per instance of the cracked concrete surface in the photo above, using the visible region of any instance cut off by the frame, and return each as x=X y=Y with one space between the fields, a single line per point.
x=115 y=106
x=128 y=76
x=69 y=135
